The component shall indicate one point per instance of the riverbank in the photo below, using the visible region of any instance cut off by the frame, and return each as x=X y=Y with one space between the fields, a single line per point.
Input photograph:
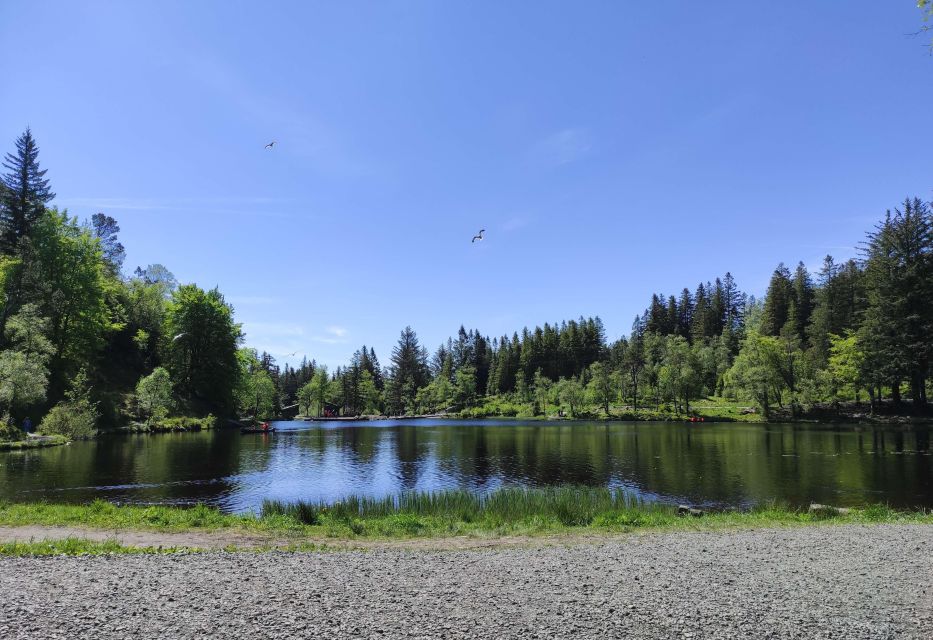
x=33 y=442
x=848 y=581
x=711 y=409
x=505 y=514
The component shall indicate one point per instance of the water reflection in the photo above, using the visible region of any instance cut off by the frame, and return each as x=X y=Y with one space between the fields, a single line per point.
x=710 y=464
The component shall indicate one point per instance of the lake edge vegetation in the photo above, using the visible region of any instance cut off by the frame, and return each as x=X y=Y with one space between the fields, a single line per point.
x=510 y=511
x=85 y=347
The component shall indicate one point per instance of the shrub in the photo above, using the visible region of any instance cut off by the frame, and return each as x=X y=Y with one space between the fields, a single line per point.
x=9 y=431
x=154 y=393
x=73 y=420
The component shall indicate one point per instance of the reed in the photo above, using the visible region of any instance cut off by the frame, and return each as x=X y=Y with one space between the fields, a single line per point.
x=569 y=506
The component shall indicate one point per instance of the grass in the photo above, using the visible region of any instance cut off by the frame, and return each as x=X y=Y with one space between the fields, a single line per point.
x=76 y=547
x=558 y=510
x=33 y=443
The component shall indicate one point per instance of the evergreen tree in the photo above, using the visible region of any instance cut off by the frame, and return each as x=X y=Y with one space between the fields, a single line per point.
x=777 y=302
x=802 y=303
x=899 y=275
x=685 y=313
x=106 y=230
x=409 y=372
x=25 y=192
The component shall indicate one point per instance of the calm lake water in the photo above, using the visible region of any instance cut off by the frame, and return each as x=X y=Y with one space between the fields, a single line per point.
x=708 y=464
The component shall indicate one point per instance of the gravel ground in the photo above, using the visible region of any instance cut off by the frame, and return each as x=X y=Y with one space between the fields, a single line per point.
x=817 y=582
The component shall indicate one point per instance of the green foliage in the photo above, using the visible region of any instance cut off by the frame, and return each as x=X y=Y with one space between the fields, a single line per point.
x=898 y=325
x=756 y=372
x=157 y=424
x=9 y=432
x=24 y=192
x=75 y=547
x=76 y=416
x=23 y=380
x=154 y=393
x=66 y=278
x=201 y=342
x=409 y=372
x=846 y=361
x=313 y=396
x=74 y=421
x=571 y=392
x=446 y=513
x=541 y=391
x=602 y=386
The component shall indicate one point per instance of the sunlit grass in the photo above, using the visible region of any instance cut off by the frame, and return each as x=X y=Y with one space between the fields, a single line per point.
x=33 y=443
x=76 y=547
x=510 y=511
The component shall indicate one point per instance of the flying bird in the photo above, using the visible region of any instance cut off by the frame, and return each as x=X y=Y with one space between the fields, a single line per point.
x=270 y=145
x=295 y=353
x=179 y=336
x=479 y=236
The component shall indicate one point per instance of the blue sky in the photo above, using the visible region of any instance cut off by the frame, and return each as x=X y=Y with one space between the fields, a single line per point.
x=610 y=149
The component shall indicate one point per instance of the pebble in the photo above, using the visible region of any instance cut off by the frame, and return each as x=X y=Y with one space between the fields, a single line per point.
x=836 y=581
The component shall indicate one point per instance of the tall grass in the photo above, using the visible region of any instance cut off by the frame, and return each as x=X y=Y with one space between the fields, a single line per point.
x=570 y=506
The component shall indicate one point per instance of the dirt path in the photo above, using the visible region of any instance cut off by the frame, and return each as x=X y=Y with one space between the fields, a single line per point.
x=222 y=539
x=846 y=581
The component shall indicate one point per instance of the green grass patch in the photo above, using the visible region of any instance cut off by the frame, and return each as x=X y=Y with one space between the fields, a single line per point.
x=510 y=511
x=76 y=547
x=33 y=443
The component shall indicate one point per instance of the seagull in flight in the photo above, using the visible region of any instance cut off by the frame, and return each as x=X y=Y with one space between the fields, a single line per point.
x=270 y=145
x=180 y=335
x=479 y=236
x=294 y=353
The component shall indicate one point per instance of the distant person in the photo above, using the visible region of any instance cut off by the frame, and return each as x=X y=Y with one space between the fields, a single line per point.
x=27 y=425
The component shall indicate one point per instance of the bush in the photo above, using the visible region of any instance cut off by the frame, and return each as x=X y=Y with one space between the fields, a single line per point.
x=74 y=420
x=9 y=431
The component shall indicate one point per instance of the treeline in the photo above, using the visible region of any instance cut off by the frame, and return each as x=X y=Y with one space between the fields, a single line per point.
x=862 y=327
x=83 y=346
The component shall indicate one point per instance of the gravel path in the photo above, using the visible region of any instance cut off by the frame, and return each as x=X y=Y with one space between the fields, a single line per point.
x=817 y=582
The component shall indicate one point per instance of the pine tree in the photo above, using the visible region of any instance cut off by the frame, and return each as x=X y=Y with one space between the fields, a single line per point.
x=684 y=313
x=106 y=230
x=409 y=372
x=803 y=301
x=25 y=192
x=899 y=275
x=777 y=302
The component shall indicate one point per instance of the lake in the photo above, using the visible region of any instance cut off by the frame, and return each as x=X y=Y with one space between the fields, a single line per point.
x=712 y=465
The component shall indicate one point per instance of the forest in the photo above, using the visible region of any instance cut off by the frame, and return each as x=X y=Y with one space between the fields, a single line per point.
x=86 y=345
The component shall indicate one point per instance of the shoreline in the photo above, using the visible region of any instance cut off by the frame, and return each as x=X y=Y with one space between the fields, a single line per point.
x=897 y=420
x=33 y=442
x=447 y=521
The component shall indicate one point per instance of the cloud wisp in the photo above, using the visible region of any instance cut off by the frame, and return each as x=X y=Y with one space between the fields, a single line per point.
x=561 y=148
x=208 y=206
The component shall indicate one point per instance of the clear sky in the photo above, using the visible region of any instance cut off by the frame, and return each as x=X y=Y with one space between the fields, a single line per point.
x=610 y=149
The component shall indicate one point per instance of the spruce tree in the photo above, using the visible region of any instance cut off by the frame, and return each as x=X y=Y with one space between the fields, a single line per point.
x=899 y=274
x=25 y=192
x=777 y=302
x=803 y=302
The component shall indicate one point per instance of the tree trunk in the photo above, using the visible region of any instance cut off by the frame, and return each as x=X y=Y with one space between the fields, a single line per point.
x=916 y=392
x=896 y=393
